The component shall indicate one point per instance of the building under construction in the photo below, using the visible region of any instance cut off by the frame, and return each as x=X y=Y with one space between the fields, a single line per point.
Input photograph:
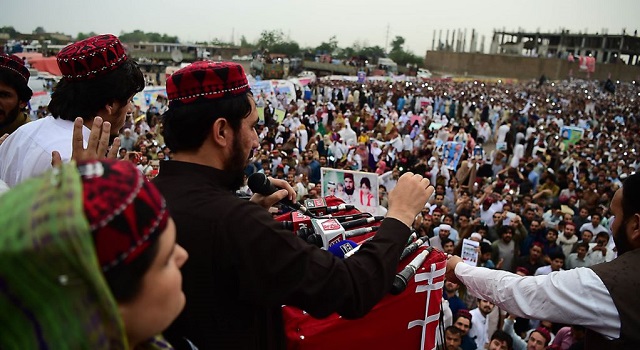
x=606 y=48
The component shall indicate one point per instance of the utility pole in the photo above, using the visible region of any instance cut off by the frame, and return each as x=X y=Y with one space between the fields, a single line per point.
x=386 y=42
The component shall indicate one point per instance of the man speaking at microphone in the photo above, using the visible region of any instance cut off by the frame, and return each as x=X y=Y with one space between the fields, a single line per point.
x=243 y=265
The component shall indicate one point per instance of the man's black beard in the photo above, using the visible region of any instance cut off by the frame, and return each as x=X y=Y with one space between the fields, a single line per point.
x=236 y=164
x=11 y=116
x=621 y=240
x=349 y=191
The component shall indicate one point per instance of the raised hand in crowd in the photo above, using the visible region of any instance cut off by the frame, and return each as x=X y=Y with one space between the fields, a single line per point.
x=97 y=146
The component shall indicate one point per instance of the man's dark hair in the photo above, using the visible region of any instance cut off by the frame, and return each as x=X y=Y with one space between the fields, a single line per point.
x=584 y=245
x=556 y=255
x=72 y=99
x=503 y=336
x=446 y=241
x=187 y=126
x=453 y=331
x=17 y=82
x=504 y=229
x=485 y=248
x=602 y=235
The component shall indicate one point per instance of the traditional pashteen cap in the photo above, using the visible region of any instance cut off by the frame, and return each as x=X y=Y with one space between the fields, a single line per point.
x=91 y=58
x=14 y=64
x=206 y=81
x=463 y=313
x=126 y=212
x=545 y=333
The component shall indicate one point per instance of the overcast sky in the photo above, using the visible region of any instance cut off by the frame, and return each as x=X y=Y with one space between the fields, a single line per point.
x=311 y=22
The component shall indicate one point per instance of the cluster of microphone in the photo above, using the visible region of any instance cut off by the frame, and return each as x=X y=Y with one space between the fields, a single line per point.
x=314 y=223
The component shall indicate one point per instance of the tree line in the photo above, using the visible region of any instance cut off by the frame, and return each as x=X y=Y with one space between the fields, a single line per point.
x=276 y=42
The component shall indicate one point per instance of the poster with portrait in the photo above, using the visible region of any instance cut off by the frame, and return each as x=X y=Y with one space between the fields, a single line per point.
x=570 y=135
x=470 y=252
x=353 y=187
x=451 y=153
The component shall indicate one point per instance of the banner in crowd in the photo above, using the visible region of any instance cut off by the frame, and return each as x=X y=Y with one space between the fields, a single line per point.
x=362 y=77
x=261 y=87
x=260 y=111
x=587 y=63
x=571 y=135
x=285 y=88
x=451 y=153
x=148 y=96
x=353 y=187
x=279 y=114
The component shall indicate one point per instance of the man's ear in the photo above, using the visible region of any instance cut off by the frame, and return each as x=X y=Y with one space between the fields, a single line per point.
x=221 y=132
x=110 y=108
x=22 y=105
x=635 y=229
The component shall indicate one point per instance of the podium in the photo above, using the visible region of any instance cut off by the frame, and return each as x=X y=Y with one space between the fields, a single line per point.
x=404 y=321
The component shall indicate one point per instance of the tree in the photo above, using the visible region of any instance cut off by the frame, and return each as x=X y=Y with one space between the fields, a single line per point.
x=328 y=47
x=9 y=30
x=288 y=48
x=39 y=30
x=269 y=38
x=140 y=36
x=373 y=52
x=396 y=44
x=244 y=43
x=82 y=36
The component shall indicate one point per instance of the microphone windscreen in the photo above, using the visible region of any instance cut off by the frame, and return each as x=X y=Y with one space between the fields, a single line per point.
x=342 y=248
x=258 y=183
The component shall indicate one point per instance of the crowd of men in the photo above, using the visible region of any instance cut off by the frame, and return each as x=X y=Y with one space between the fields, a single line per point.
x=536 y=202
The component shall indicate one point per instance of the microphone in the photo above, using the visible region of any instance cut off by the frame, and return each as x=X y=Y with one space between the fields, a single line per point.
x=287 y=225
x=328 y=232
x=354 y=250
x=259 y=183
x=343 y=218
x=363 y=221
x=317 y=206
x=342 y=248
x=360 y=231
x=402 y=278
x=340 y=207
x=299 y=220
x=411 y=248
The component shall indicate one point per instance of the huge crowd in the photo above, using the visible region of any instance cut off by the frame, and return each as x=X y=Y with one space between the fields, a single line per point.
x=535 y=201
x=536 y=205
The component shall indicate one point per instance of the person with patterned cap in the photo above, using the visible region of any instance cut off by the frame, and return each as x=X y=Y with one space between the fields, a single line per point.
x=14 y=94
x=608 y=306
x=88 y=260
x=463 y=321
x=244 y=266
x=99 y=80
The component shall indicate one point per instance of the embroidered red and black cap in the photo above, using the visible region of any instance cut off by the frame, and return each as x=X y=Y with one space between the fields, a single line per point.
x=126 y=212
x=14 y=64
x=206 y=80
x=92 y=57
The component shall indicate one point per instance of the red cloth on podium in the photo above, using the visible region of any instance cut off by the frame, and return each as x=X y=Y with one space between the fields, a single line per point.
x=405 y=321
